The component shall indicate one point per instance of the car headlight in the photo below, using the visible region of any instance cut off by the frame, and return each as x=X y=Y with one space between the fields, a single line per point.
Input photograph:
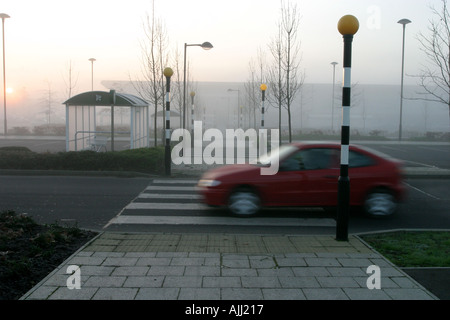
x=208 y=183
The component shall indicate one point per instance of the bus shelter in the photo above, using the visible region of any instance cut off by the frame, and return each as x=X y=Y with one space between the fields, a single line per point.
x=82 y=115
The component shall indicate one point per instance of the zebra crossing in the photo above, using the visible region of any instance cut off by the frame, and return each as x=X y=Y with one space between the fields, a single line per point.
x=177 y=202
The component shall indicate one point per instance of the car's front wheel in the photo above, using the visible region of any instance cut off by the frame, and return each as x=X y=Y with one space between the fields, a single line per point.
x=380 y=203
x=244 y=202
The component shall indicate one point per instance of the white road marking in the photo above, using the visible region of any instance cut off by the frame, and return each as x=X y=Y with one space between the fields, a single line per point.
x=170 y=196
x=421 y=191
x=182 y=220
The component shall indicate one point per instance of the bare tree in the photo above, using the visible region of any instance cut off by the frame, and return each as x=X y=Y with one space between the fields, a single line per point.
x=252 y=86
x=290 y=20
x=177 y=85
x=48 y=100
x=150 y=84
x=285 y=77
x=277 y=94
x=434 y=79
x=70 y=81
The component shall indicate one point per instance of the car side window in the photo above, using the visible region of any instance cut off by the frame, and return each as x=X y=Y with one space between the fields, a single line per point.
x=358 y=160
x=309 y=159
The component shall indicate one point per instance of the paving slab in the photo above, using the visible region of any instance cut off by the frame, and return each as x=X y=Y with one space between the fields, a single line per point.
x=119 y=266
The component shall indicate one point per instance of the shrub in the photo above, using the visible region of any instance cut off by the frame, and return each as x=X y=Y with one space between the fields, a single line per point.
x=146 y=160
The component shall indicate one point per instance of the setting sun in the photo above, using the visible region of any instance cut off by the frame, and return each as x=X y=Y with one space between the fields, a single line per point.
x=9 y=90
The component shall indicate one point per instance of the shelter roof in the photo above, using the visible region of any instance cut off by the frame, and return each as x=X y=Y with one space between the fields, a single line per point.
x=104 y=98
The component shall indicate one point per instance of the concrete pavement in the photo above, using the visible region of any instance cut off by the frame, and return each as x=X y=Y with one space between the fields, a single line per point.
x=118 y=266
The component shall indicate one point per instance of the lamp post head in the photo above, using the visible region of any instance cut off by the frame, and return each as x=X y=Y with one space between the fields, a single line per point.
x=263 y=87
x=334 y=63
x=168 y=72
x=348 y=25
x=192 y=94
x=4 y=16
x=404 y=21
x=206 y=45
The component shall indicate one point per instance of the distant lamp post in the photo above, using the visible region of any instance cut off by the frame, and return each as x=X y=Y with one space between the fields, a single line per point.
x=205 y=46
x=192 y=110
x=348 y=25
x=192 y=94
x=403 y=22
x=92 y=73
x=168 y=72
x=4 y=16
x=332 y=97
x=239 y=109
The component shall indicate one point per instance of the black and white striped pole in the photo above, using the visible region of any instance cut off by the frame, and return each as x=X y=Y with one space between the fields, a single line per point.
x=168 y=72
x=262 y=133
x=263 y=88
x=348 y=25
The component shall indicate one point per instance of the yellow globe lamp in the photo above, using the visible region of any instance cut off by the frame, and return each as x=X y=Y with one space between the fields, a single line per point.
x=168 y=72
x=348 y=25
x=263 y=87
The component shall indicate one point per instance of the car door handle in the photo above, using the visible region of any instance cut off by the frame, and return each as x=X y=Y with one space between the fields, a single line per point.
x=330 y=177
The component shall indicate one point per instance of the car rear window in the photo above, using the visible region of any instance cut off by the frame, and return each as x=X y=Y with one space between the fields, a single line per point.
x=357 y=160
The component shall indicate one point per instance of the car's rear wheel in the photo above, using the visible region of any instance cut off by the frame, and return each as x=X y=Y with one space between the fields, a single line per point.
x=380 y=203
x=244 y=202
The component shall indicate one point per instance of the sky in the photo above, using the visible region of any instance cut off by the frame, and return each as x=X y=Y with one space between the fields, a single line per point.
x=42 y=37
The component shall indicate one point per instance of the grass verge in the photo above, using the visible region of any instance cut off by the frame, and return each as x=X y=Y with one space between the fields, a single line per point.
x=413 y=248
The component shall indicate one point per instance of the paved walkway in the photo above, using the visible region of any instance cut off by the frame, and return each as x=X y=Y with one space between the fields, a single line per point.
x=227 y=267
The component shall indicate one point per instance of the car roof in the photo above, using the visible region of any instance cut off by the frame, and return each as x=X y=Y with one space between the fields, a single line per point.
x=334 y=144
x=316 y=143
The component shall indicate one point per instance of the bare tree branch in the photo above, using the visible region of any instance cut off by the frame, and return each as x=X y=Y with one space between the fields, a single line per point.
x=434 y=78
x=154 y=57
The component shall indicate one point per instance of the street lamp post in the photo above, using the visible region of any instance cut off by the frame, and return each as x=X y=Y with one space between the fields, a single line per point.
x=92 y=73
x=168 y=72
x=332 y=97
x=192 y=111
x=403 y=22
x=348 y=25
x=238 y=109
x=4 y=16
x=192 y=94
x=95 y=112
x=205 y=46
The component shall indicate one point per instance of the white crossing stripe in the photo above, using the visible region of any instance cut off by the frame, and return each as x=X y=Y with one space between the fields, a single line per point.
x=170 y=188
x=170 y=196
x=166 y=206
x=175 y=181
x=277 y=222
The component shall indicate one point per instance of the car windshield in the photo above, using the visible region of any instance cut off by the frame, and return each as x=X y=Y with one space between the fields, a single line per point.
x=276 y=154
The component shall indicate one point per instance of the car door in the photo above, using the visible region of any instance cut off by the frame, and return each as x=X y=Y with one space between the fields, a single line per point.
x=320 y=177
x=308 y=177
x=284 y=187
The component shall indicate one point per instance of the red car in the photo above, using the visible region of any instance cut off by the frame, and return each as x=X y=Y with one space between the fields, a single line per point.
x=307 y=176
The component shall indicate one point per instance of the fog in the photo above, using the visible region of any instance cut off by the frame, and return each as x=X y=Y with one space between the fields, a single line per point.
x=375 y=109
